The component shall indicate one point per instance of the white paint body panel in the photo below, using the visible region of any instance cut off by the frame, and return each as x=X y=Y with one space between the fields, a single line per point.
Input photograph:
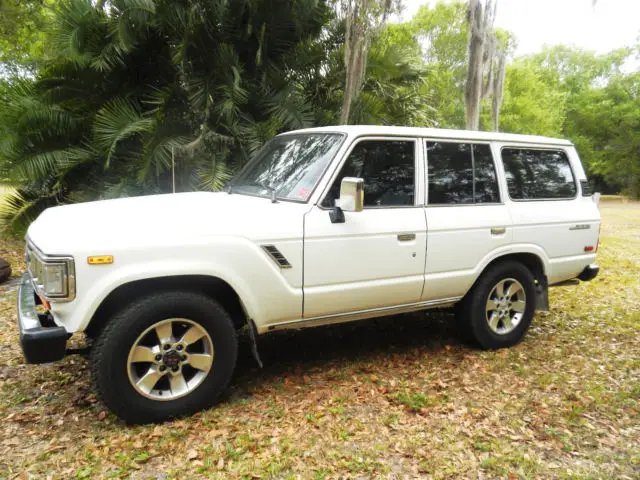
x=459 y=239
x=361 y=264
x=337 y=269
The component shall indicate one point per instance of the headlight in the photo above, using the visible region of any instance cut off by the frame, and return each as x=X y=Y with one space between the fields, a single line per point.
x=54 y=279
x=53 y=276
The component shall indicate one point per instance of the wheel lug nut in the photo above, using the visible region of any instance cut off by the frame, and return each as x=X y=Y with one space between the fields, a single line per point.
x=162 y=368
x=179 y=347
x=175 y=369
x=184 y=358
x=167 y=346
x=158 y=358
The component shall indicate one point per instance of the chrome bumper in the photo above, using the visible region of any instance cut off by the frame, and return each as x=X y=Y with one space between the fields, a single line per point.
x=42 y=341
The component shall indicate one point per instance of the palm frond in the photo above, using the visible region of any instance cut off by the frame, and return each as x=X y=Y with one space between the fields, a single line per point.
x=116 y=121
x=291 y=109
x=214 y=175
x=133 y=19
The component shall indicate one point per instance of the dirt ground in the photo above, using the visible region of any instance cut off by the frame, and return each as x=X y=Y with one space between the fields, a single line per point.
x=399 y=397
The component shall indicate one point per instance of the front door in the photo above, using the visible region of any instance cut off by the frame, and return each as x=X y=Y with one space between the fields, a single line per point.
x=376 y=257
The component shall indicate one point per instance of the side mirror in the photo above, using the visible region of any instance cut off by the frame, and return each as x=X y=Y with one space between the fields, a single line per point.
x=351 y=199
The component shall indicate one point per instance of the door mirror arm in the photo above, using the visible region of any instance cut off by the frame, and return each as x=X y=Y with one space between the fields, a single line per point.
x=336 y=215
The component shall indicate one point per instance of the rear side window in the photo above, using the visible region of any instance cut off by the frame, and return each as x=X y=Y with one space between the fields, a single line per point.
x=538 y=174
x=461 y=173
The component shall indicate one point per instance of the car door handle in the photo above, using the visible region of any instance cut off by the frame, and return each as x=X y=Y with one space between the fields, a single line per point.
x=498 y=230
x=406 y=237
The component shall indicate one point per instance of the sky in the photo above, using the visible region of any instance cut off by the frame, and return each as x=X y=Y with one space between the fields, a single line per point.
x=608 y=25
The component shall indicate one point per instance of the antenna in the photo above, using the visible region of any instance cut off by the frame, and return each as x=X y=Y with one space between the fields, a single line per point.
x=173 y=170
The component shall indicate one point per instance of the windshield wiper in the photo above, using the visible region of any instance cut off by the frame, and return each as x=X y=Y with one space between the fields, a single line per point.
x=272 y=191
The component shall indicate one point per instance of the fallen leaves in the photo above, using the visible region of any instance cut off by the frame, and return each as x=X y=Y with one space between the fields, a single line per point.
x=391 y=398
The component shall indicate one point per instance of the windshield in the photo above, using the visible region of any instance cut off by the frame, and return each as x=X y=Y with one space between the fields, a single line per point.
x=288 y=167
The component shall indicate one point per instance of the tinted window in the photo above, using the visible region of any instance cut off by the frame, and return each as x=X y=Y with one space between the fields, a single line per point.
x=388 y=170
x=450 y=173
x=486 y=181
x=461 y=173
x=538 y=174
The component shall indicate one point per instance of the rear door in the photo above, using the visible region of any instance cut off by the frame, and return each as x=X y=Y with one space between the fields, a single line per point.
x=549 y=208
x=376 y=257
x=466 y=216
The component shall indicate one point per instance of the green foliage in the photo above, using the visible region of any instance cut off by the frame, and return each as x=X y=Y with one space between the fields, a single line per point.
x=22 y=34
x=413 y=401
x=530 y=106
x=590 y=100
x=437 y=37
x=132 y=88
x=102 y=101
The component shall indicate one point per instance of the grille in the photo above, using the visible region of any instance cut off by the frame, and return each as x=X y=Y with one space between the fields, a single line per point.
x=276 y=256
x=34 y=265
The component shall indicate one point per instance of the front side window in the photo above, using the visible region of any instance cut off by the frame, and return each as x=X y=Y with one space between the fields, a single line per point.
x=387 y=168
x=538 y=174
x=461 y=173
x=288 y=167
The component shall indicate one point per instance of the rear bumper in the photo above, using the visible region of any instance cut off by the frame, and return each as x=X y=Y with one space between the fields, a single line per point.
x=589 y=273
x=41 y=340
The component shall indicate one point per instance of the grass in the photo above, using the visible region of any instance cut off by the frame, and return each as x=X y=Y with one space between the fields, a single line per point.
x=394 y=398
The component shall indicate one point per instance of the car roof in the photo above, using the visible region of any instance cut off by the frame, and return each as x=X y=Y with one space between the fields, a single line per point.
x=379 y=130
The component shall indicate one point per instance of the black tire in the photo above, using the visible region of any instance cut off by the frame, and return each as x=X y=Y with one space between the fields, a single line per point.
x=110 y=353
x=5 y=270
x=471 y=314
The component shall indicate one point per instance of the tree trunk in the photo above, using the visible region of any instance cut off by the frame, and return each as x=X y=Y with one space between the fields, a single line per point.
x=498 y=90
x=473 y=87
x=362 y=19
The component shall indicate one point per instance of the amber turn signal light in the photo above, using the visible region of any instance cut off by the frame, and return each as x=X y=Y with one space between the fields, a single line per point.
x=100 y=260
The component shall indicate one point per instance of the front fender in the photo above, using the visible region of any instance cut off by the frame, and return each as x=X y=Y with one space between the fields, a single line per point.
x=266 y=293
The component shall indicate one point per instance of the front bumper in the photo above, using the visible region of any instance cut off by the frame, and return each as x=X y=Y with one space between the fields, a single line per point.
x=41 y=340
x=589 y=273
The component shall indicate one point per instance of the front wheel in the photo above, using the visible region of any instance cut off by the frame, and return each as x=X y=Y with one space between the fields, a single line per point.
x=499 y=309
x=163 y=356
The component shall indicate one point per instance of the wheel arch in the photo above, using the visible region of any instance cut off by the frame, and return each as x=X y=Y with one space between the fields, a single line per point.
x=536 y=265
x=213 y=287
x=530 y=260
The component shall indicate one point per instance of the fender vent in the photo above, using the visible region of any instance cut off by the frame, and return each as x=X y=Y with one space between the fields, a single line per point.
x=276 y=256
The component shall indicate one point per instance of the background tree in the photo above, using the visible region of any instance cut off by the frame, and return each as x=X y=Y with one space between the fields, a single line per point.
x=22 y=35
x=123 y=87
x=480 y=17
x=362 y=19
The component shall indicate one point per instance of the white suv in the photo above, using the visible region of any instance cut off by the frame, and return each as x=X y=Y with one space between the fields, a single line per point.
x=325 y=225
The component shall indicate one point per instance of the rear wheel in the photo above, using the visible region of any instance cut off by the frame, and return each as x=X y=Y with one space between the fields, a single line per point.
x=163 y=356
x=499 y=309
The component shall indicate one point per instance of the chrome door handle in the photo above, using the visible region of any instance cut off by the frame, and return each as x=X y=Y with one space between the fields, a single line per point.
x=406 y=237
x=498 y=230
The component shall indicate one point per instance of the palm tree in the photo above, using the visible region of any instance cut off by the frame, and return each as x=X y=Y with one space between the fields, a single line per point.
x=137 y=83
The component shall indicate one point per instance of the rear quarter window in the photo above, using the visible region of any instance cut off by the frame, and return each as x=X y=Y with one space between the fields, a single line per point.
x=535 y=174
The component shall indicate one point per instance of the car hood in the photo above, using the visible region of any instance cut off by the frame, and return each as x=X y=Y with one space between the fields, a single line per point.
x=169 y=218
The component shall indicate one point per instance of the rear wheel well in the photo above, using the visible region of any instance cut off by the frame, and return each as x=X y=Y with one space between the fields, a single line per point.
x=213 y=287
x=536 y=267
x=529 y=260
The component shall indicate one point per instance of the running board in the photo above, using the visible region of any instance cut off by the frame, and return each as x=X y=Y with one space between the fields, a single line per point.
x=363 y=314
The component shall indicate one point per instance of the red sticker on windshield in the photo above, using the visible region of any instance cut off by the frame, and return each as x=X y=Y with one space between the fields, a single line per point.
x=303 y=193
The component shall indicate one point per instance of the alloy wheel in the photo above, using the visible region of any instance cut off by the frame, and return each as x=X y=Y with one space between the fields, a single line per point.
x=170 y=359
